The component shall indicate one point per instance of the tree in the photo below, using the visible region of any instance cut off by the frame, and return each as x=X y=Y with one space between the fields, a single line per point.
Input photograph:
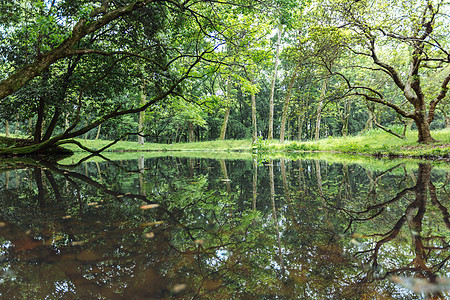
x=172 y=38
x=375 y=31
x=272 y=85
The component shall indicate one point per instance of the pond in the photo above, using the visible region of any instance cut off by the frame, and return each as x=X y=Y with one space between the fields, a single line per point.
x=189 y=228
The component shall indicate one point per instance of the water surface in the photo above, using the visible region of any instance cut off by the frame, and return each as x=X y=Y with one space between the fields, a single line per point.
x=186 y=228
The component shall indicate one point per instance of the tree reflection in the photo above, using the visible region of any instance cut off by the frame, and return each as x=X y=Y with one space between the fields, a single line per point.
x=429 y=242
x=222 y=230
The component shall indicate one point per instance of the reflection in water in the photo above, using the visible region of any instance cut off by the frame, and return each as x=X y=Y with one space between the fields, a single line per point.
x=222 y=230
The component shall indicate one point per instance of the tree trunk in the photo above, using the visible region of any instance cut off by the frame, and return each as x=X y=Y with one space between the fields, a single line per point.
x=98 y=132
x=141 y=139
x=255 y=132
x=191 y=132
x=52 y=125
x=223 y=131
x=17 y=126
x=423 y=128
x=371 y=112
x=40 y=120
x=272 y=86
x=344 y=115
x=286 y=106
x=300 y=122
x=7 y=128
x=319 y=108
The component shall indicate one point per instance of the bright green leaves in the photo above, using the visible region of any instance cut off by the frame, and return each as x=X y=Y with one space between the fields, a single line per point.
x=85 y=11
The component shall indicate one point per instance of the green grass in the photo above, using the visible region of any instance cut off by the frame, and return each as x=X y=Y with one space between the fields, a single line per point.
x=375 y=142
x=124 y=146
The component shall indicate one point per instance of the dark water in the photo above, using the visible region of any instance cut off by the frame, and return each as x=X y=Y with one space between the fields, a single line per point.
x=223 y=230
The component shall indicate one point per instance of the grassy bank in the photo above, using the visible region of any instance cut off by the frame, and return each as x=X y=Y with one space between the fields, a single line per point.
x=375 y=142
x=125 y=146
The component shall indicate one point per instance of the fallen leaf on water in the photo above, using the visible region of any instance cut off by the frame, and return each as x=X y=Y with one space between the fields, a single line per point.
x=77 y=243
x=152 y=223
x=353 y=241
x=149 y=235
x=148 y=206
x=179 y=287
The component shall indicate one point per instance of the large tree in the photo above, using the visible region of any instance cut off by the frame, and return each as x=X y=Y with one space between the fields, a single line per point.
x=80 y=54
x=378 y=30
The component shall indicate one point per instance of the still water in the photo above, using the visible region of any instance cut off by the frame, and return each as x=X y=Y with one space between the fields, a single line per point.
x=185 y=228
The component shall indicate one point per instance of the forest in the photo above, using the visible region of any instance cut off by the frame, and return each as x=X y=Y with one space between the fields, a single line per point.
x=170 y=71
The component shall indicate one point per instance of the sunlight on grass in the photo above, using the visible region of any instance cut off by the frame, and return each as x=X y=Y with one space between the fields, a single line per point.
x=375 y=142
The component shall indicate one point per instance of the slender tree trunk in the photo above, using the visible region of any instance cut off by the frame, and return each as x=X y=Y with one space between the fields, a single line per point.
x=300 y=122
x=17 y=126
x=286 y=105
x=223 y=131
x=191 y=132
x=176 y=135
x=320 y=107
x=371 y=118
x=98 y=132
x=66 y=121
x=40 y=119
x=344 y=115
x=255 y=131
x=225 y=123
x=51 y=127
x=181 y=135
x=272 y=85
x=141 y=139
x=7 y=128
